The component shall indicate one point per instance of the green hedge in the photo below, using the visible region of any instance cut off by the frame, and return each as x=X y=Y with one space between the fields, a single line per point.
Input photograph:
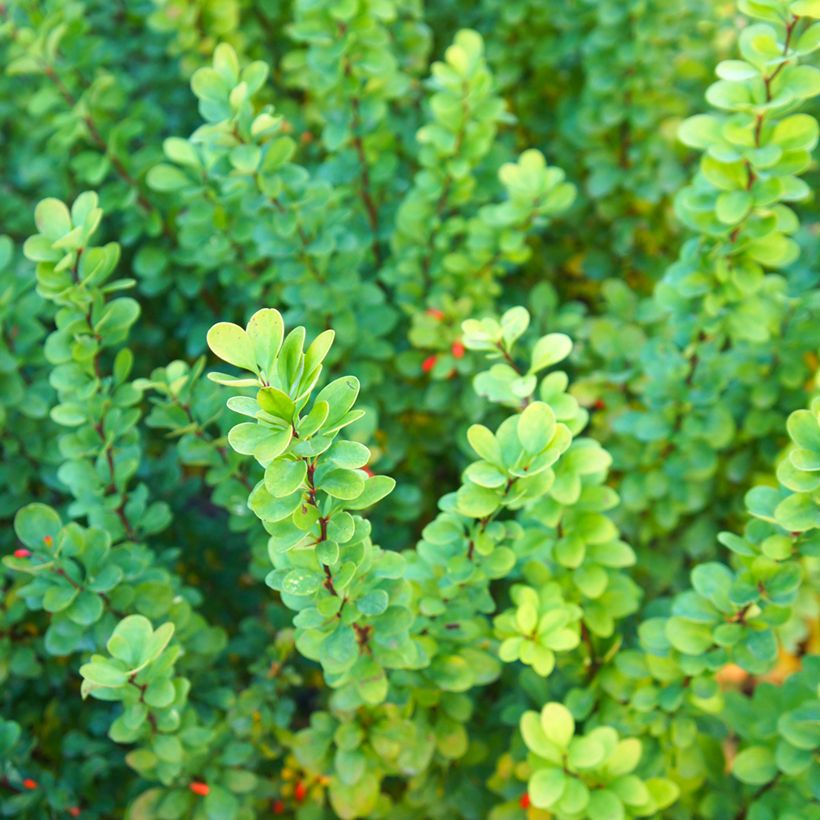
x=419 y=417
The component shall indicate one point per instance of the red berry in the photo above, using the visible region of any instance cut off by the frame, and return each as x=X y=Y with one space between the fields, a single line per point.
x=458 y=350
x=524 y=802
x=428 y=364
x=278 y=807
x=300 y=791
x=48 y=541
x=368 y=471
x=599 y=404
x=74 y=811
x=435 y=313
x=22 y=553
x=200 y=788
x=30 y=784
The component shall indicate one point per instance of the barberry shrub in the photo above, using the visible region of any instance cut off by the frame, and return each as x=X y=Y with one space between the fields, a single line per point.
x=409 y=412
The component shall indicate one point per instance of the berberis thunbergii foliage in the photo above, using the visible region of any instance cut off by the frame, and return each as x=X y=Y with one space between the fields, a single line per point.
x=409 y=412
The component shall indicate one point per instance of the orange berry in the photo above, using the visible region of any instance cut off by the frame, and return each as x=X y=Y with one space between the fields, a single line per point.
x=524 y=802
x=435 y=313
x=30 y=784
x=458 y=349
x=306 y=138
x=48 y=541
x=300 y=792
x=599 y=404
x=428 y=364
x=74 y=811
x=22 y=553
x=197 y=787
x=368 y=471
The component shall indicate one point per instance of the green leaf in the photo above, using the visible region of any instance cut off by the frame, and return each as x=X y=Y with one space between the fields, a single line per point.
x=269 y=508
x=729 y=96
x=350 y=765
x=733 y=206
x=118 y=317
x=536 y=426
x=302 y=582
x=158 y=641
x=244 y=405
x=662 y=791
x=327 y=552
x=798 y=513
x=103 y=673
x=58 y=597
x=209 y=85
x=631 y=791
x=52 y=218
x=340 y=648
x=69 y=414
x=536 y=740
x=233 y=345
x=485 y=475
x=39 y=249
x=713 y=581
x=549 y=350
x=801 y=727
x=260 y=441
x=130 y=638
x=319 y=348
x=736 y=70
x=37 y=526
x=168 y=748
x=513 y=324
x=755 y=765
x=585 y=753
x=343 y=484
x=451 y=673
x=477 y=502
x=806 y=8
x=689 y=637
x=796 y=133
x=135 y=642
x=373 y=603
x=484 y=443
x=276 y=402
x=160 y=694
x=375 y=489
x=340 y=396
x=605 y=803
x=802 y=81
x=545 y=787
x=625 y=757
x=284 y=477
x=87 y=609
x=180 y=151
x=245 y=158
x=558 y=724
x=266 y=331
x=804 y=430
x=164 y=177
x=700 y=131
x=349 y=455
x=359 y=799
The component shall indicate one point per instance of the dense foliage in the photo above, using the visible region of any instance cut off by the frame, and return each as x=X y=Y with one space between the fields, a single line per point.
x=409 y=413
